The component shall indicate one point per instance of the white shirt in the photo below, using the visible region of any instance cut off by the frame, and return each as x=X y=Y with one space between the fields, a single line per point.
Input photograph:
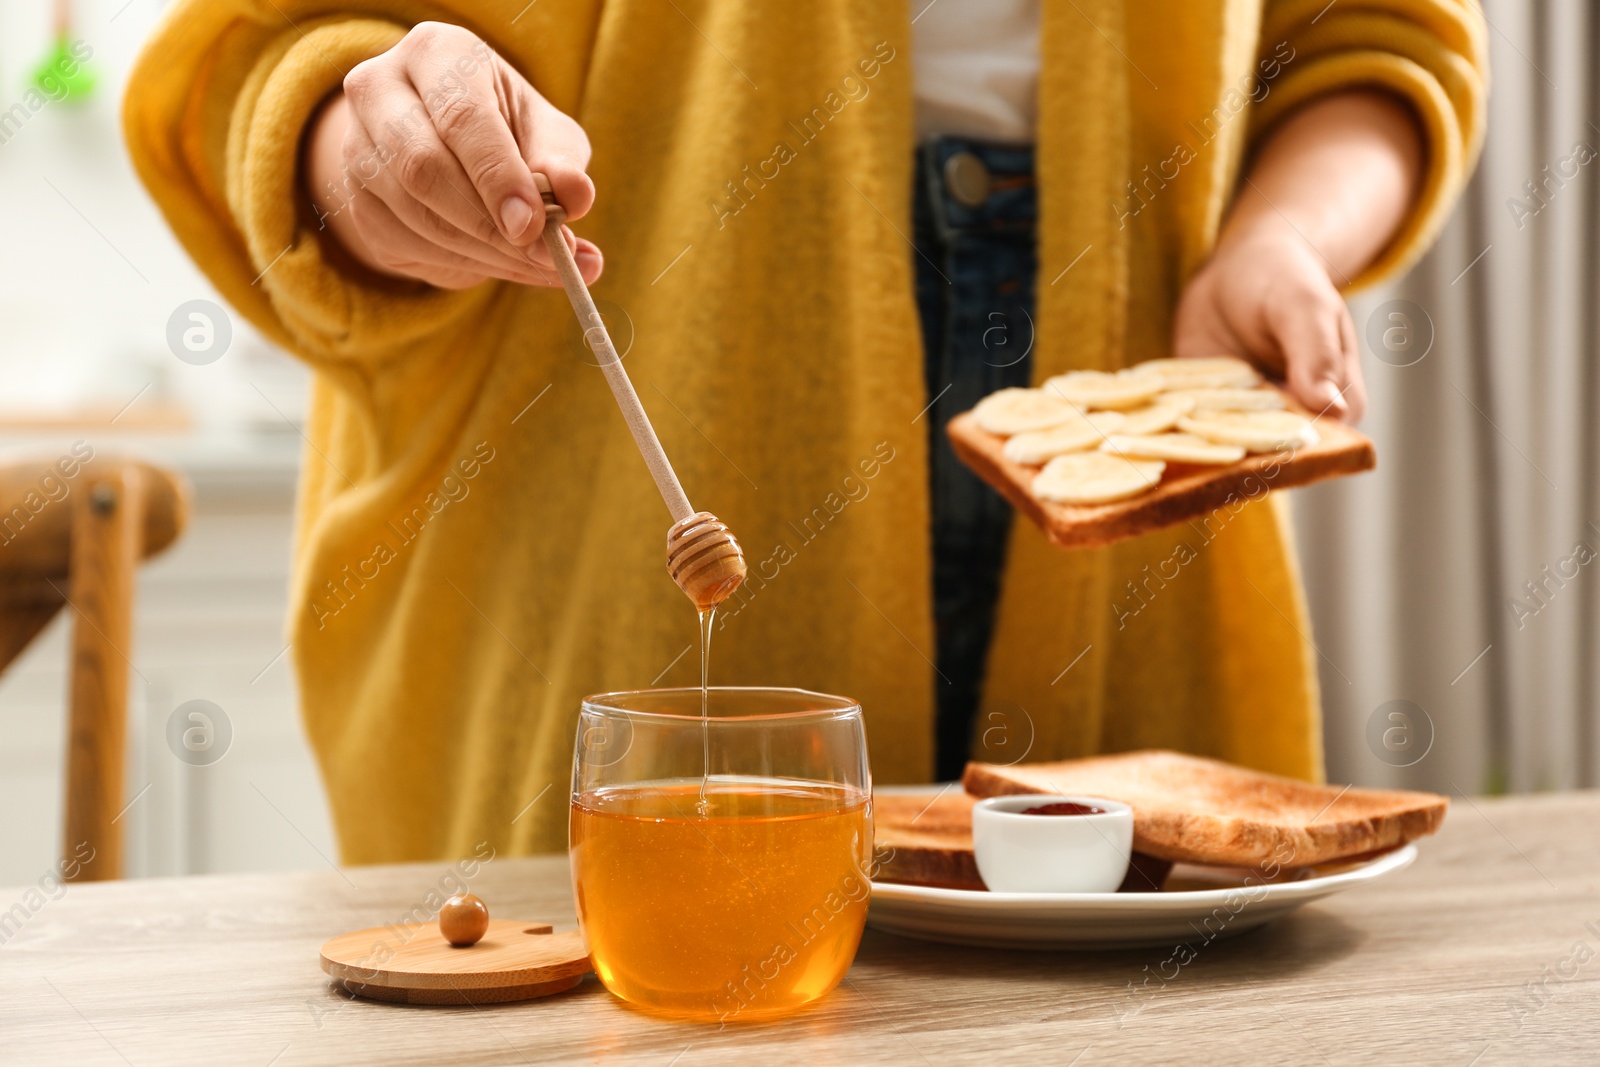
x=977 y=68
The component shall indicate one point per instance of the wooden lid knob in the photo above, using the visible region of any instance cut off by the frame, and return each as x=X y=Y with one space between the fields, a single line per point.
x=463 y=920
x=704 y=559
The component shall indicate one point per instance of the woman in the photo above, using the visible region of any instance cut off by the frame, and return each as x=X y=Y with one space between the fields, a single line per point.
x=777 y=194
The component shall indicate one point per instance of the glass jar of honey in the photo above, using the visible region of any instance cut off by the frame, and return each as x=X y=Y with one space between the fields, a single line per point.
x=719 y=861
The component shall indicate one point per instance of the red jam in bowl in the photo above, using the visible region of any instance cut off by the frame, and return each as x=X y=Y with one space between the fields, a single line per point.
x=1066 y=807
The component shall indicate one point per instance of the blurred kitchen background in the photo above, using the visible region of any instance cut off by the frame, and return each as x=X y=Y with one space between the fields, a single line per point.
x=89 y=276
x=1484 y=394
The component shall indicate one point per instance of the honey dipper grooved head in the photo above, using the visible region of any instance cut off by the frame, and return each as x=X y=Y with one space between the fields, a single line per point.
x=704 y=559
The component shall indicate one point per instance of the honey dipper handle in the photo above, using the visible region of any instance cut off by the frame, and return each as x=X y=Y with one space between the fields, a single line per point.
x=594 y=332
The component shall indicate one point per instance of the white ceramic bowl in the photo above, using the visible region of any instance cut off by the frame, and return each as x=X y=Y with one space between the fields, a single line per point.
x=1019 y=853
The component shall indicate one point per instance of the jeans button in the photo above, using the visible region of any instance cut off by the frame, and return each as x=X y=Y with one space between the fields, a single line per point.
x=966 y=179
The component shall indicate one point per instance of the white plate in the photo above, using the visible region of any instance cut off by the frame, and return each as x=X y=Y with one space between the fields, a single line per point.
x=1109 y=920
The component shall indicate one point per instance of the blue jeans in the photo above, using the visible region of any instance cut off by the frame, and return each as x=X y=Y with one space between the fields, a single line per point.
x=975 y=270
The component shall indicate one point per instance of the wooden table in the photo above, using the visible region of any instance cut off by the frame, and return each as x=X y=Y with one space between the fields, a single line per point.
x=1486 y=951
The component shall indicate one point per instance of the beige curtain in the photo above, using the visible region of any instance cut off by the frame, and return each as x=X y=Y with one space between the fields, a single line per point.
x=1456 y=590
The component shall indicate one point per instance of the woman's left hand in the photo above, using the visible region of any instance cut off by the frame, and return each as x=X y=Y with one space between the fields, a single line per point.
x=1266 y=295
x=1327 y=191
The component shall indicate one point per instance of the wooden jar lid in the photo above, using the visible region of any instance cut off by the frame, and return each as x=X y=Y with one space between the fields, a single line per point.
x=416 y=965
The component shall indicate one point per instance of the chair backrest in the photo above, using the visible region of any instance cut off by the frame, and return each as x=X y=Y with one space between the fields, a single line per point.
x=72 y=532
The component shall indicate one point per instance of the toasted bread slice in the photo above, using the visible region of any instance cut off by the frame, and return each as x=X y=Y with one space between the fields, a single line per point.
x=926 y=839
x=1186 y=493
x=1194 y=810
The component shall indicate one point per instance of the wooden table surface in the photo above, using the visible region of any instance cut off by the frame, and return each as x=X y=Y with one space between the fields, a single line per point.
x=1486 y=951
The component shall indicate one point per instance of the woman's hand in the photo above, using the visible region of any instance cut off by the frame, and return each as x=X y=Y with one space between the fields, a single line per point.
x=1268 y=297
x=1324 y=197
x=423 y=167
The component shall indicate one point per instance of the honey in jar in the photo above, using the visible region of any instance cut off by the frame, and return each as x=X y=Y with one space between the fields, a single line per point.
x=746 y=906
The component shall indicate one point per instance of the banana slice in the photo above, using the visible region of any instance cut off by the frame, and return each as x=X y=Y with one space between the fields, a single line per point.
x=1203 y=400
x=1162 y=415
x=1095 y=478
x=1032 y=449
x=1102 y=391
x=1216 y=372
x=1012 y=411
x=1256 y=431
x=1176 y=447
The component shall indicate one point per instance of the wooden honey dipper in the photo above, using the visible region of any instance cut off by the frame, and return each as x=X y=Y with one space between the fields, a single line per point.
x=702 y=555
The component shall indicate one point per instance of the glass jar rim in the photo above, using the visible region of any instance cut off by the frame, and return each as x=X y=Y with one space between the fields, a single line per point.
x=838 y=706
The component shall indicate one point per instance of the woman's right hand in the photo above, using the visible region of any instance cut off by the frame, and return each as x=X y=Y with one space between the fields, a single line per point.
x=423 y=167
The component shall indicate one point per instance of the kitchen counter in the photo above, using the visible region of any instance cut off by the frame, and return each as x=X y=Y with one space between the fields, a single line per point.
x=1486 y=951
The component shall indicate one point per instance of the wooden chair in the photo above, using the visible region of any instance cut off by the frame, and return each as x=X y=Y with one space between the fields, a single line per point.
x=72 y=531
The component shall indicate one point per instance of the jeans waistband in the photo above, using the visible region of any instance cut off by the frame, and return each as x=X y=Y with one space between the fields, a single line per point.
x=954 y=170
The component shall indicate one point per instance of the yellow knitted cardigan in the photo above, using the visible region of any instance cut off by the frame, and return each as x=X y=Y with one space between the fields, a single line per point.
x=478 y=543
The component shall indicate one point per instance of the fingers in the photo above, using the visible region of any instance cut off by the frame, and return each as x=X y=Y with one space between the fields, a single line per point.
x=400 y=251
x=1355 y=396
x=404 y=251
x=1312 y=331
x=458 y=81
x=591 y=263
x=1270 y=300
x=556 y=146
x=439 y=138
x=392 y=126
x=424 y=186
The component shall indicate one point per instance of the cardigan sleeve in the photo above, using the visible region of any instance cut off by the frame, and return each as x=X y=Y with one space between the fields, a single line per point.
x=1431 y=53
x=214 y=116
